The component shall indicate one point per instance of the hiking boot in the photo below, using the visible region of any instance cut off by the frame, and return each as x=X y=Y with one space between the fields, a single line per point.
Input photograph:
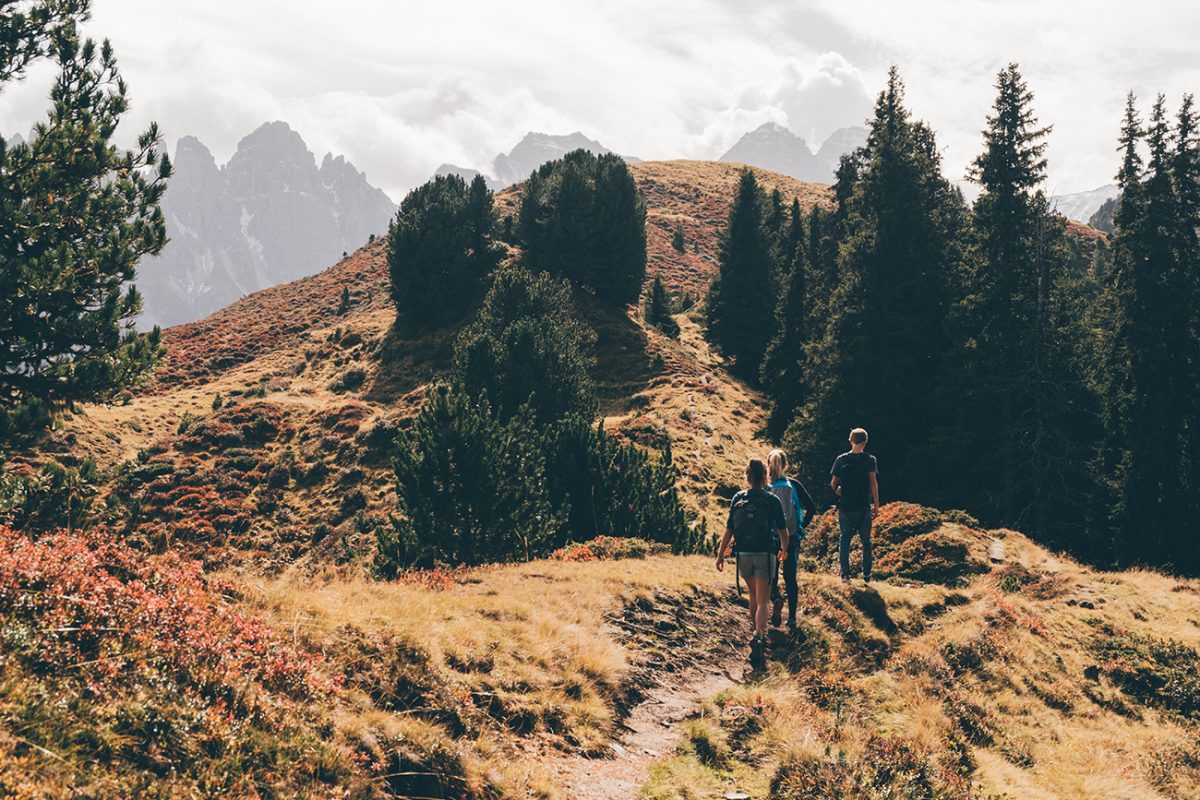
x=792 y=624
x=758 y=654
x=777 y=613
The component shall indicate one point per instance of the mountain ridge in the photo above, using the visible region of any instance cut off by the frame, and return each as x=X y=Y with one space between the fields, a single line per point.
x=774 y=147
x=269 y=215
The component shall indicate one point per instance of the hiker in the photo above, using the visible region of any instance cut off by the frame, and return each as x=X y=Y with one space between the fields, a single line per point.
x=857 y=486
x=798 y=509
x=758 y=530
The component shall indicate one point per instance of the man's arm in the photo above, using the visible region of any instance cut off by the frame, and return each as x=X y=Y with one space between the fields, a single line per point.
x=874 y=491
x=836 y=485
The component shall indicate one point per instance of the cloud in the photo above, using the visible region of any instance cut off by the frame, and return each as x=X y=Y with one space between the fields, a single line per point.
x=402 y=87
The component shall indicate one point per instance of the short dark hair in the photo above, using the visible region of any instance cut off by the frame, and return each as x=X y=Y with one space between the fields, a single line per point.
x=858 y=436
x=756 y=472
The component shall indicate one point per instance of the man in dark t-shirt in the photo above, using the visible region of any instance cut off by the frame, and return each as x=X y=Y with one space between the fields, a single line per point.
x=854 y=478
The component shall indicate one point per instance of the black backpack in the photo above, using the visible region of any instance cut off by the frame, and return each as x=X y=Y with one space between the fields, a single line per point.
x=752 y=529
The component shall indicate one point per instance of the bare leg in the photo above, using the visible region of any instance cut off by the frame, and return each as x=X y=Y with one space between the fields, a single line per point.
x=752 y=592
x=760 y=598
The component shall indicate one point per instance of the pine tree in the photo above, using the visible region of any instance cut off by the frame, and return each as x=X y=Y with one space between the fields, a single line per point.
x=471 y=488
x=677 y=239
x=440 y=250
x=581 y=217
x=879 y=359
x=1152 y=404
x=527 y=348
x=1012 y=373
x=741 y=301
x=658 y=309
x=76 y=215
x=783 y=364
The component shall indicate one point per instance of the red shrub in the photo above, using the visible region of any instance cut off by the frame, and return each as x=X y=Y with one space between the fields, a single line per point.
x=92 y=608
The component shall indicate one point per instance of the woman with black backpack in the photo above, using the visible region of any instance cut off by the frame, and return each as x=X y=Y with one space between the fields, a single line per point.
x=758 y=530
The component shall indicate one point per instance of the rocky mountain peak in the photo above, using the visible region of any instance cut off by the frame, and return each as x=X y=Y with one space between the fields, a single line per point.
x=268 y=216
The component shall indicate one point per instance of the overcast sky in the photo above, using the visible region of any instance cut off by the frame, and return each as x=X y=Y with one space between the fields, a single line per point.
x=400 y=87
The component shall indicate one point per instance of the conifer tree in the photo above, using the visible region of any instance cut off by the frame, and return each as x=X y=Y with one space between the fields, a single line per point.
x=879 y=360
x=1152 y=403
x=76 y=215
x=677 y=239
x=741 y=301
x=658 y=309
x=783 y=364
x=440 y=249
x=1012 y=372
x=527 y=348
x=471 y=488
x=581 y=217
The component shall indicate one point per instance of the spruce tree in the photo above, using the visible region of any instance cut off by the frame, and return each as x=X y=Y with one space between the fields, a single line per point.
x=880 y=357
x=440 y=250
x=581 y=217
x=677 y=240
x=783 y=364
x=1152 y=413
x=76 y=215
x=1012 y=372
x=527 y=348
x=471 y=488
x=741 y=300
x=658 y=309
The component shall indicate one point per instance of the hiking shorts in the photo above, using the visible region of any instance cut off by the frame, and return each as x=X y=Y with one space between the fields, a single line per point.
x=756 y=565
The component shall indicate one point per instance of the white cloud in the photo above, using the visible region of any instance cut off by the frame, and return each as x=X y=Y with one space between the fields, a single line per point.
x=401 y=87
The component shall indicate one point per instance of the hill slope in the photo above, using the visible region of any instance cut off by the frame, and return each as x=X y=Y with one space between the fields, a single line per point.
x=262 y=449
x=266 y=429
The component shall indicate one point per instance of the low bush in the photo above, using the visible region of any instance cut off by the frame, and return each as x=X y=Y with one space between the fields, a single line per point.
x=610 y=548
x=136 y=669
x=1156 y=672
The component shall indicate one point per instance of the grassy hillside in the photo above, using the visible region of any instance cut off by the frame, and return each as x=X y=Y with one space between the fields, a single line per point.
x=273 y=668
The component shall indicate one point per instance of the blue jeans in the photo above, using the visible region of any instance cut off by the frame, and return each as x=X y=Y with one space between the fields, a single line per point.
x=852 y=521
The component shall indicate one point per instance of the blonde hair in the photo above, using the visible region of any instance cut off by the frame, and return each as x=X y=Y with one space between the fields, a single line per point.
x=776 y=464
x=756 y=473
x=858 y=436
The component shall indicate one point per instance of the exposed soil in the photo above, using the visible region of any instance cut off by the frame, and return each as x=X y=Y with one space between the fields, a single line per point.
x=695 y=648
x=653 y=731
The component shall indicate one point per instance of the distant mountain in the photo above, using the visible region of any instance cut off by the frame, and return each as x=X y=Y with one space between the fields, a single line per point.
x=269 y=216
x=530 y=153
x=841 y=142
x=776 y=148
x=1080 y=206
x=468 y=175
x=538 y=148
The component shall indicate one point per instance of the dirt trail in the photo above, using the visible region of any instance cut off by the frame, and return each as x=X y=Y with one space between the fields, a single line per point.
x=652 y=731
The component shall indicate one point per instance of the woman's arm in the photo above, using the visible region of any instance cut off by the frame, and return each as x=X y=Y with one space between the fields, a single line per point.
x=806 y=501
x=722 y=548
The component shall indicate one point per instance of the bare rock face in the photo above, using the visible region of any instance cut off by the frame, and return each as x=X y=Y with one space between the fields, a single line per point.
x=268 y=216
x=774 y=147
x=841 y=142
x=1081 y=206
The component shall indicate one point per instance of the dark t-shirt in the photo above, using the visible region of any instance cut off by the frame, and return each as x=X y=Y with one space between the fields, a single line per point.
x=778 y=523
x=852 y=471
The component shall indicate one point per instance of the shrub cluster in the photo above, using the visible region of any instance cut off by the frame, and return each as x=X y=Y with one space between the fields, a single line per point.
x=137 y=669
x=610 y=548
x=909 y=541
x=504 y=462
